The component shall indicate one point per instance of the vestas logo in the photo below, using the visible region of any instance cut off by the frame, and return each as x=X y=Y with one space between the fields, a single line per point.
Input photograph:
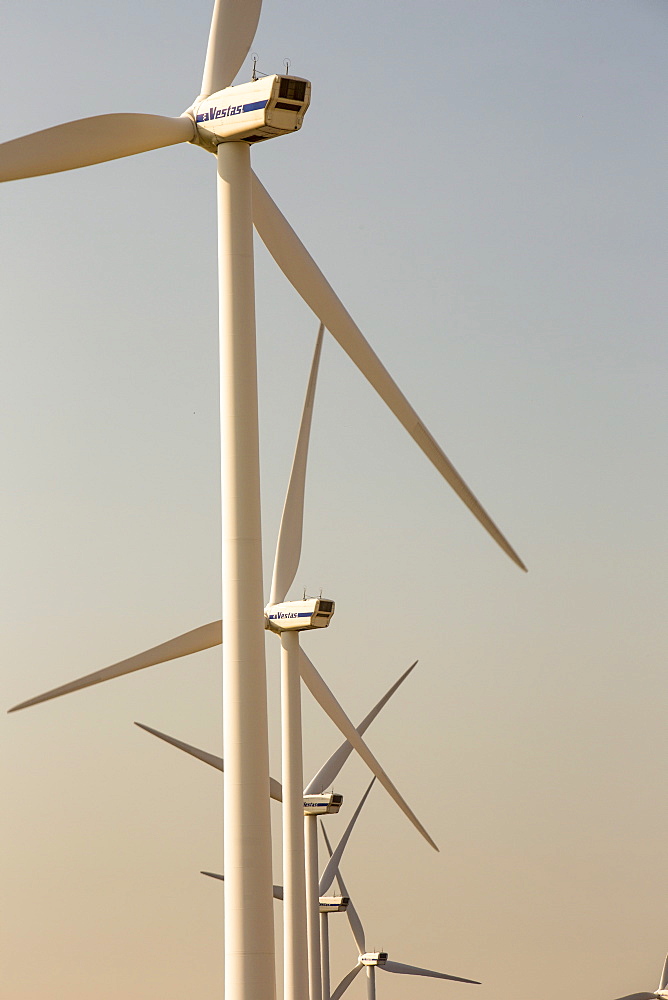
x=213 y=114
x=290 y=614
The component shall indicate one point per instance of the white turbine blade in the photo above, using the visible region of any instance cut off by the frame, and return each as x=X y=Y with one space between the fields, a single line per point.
x=275 y=789
x=327 y=876
x=289 y=544
x=355 y=923
x=413 y=970
x=233 y=27
x=89 y=140
x=331 y=768
x=208 y=758
x=345 y=982
x=330 y=705
x=277 y=889
x=194 y=641
x=351 y=912
x=304 y=274
x=663 y=982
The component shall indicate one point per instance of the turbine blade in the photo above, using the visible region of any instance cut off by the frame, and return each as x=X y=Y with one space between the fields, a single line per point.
x=289 y=544
x=413 y=970
x=331 y=768
x=345 y=982
x=194 y=641
x=233 y=27
x=330 y=705
x=208 y=758
x=277 y=889
x=89 y=140
x=355 y=923
x=351 y=912
x=327 y=876
x=275 y=789
x=663 y=982
x=304 y=274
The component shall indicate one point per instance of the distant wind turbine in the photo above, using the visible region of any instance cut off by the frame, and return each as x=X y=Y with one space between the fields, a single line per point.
x=370 y=961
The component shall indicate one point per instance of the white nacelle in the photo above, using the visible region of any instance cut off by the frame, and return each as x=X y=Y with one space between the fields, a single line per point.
x=261 y=109
x=319 y=805
x=333 y=904
x=314 y=612
x=374 y=958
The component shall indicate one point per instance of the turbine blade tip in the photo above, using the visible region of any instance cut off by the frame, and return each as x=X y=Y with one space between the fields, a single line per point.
x=24 y=704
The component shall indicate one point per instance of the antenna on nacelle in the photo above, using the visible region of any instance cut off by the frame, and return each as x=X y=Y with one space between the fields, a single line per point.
x=287 y=67
x=254 y=76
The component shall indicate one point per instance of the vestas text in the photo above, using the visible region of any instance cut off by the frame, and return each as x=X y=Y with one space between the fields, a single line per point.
x=232 y=109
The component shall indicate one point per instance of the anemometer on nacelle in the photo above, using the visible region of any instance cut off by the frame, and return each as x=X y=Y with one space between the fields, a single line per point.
x=252 y=112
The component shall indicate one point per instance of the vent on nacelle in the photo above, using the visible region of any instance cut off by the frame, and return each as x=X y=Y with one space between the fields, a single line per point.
x=294 y=90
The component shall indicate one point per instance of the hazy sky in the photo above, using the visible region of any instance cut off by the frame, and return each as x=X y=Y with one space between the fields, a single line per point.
x=484 y=185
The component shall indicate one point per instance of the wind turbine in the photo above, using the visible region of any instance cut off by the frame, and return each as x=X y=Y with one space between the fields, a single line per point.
x=226 y=121
x=300 y=922
x=314 y=804
x=661 y=990
x=370 y=961
x=325 y=778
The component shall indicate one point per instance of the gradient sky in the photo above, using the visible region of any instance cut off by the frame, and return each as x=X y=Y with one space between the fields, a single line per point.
x=484 y=185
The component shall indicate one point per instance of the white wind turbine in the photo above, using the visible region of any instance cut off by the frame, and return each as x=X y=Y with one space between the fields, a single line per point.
x=226 y=120
x=314 y=804
x=343 y=900
x=300 y=911
x=325 y=778
x=369 y=961
x=661 y=990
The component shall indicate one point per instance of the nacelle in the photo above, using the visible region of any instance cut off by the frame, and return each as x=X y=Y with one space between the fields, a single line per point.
x=261 y=109
x=314 y=612
x=320 y=805
x=334 y=904
x=374 y=958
